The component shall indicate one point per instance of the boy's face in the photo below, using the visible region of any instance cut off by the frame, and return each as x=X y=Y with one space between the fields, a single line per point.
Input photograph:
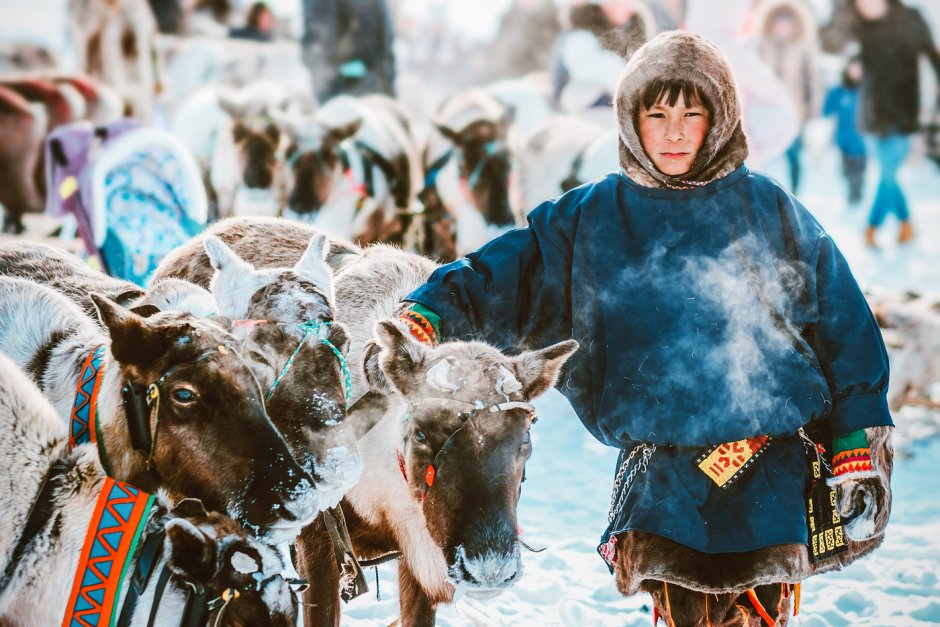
x=672 y=135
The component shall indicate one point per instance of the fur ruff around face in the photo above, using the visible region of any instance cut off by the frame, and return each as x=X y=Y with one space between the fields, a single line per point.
x=645 y=557
x=676 y=55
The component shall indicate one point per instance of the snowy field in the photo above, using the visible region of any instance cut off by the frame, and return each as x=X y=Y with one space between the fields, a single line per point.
x=565 y=499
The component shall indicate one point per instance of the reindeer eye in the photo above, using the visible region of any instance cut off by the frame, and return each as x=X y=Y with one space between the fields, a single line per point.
x=184 y=395
x=420 y=437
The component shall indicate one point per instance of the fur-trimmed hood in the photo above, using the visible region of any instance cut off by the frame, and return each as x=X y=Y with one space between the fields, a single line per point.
x=683 y=56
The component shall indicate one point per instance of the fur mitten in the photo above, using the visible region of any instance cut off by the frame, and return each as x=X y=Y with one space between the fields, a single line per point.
x=863 y=489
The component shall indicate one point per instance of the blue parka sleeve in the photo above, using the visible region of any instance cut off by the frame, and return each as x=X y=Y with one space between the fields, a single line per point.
x=848 y=344
x=515 y=290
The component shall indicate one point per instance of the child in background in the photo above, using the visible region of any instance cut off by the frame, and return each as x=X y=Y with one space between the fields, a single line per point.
x=842 y=101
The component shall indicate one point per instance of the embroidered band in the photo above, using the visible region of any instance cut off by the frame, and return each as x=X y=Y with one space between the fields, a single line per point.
x=725 y=463
x=83 y=424
x=856 y=460
x=113 y=532
x=419 y=326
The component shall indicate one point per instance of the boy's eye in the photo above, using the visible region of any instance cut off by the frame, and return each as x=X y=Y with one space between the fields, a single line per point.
x=693 y=113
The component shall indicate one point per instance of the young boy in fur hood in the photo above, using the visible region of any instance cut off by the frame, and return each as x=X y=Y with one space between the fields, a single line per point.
x=726 y=350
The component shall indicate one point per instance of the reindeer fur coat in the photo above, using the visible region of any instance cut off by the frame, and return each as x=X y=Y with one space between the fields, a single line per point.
x=705 y=315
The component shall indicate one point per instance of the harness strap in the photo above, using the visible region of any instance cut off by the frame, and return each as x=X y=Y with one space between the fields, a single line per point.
x=752 y=596
x=84 y=426
x=39 y=515
x=146 y=562
x=114 y=530
x=158 y=594
x=352 y=581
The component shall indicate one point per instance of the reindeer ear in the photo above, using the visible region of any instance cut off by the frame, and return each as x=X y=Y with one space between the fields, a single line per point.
x=402 y=355
x=451 y=135
x=191 y=554
x=233 y=283
x=313 y=264
x=131 y=340
x=370 y=366
x=538 y=370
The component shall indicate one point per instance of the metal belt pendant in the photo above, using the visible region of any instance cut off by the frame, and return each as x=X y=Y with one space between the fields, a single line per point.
x=113 y=532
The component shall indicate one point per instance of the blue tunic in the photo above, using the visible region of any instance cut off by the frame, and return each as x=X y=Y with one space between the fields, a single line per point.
x=705 y=316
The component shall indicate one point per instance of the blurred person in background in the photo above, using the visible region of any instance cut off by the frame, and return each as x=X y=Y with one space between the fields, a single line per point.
x=259 y=25
x=892 y=37
x=771 y=122
x=842 y=101
x=524 y=40
x=789 y=44
x=347 y=46
x=589 y=57
x=209 y=17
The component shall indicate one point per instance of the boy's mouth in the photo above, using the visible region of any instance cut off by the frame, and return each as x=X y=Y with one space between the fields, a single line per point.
x=673 y=155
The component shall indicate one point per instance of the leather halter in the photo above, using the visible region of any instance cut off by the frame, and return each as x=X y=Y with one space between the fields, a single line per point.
x=468 y=410
x=142 y=405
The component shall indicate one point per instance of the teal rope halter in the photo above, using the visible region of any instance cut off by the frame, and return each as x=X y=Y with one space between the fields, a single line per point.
x=309 y=327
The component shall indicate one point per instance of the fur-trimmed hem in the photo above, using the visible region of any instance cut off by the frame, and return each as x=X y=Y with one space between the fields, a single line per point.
x=644 y=556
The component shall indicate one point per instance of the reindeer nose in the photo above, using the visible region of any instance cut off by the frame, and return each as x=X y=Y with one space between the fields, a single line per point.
x=301 y=503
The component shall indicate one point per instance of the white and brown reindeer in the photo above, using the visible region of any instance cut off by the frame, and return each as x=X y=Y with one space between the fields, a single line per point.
x=113 y=41
x=47 y=511
x=352 y=169
x=468 y=161
x=911 y=325
x=563 y=153
x=236 y=142
x=447 y=431
x=305 y=394
x=175 y=404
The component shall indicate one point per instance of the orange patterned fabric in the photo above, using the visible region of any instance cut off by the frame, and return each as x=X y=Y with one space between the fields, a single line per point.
x=855 y=460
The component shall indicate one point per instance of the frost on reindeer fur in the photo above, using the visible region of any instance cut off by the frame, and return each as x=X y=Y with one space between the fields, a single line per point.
x=437 y=377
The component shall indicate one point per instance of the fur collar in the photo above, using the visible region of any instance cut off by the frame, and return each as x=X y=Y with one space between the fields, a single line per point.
x=684 y=56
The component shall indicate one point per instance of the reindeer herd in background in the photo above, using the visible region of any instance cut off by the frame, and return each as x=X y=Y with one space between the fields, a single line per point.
x=291 y=402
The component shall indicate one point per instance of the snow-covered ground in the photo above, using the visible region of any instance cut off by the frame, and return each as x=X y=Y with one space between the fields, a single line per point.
x=565 y=499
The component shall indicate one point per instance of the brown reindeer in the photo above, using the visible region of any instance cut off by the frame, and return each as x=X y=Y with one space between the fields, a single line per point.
x=177 y=406
x=462 y=408
x=47 y=511
x=307 y=405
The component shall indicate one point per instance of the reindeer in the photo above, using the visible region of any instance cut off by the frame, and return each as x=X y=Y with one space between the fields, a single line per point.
x=562 y=154
x=47 y=512
x=113 y=41
x=352 y=169
x=911 y=325
x=176 y=405
x=446 y=431
x=468 y=162
x=305 y=393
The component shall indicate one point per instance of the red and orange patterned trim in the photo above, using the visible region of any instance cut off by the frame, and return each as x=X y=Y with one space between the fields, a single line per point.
x=853 y=460
x=419 y=326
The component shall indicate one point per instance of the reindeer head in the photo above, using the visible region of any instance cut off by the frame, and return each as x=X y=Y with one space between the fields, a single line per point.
x=314 y=171
x=243 y=577
x=204 y=429
x=299 y=356
x=250 y=169
x=464 y=441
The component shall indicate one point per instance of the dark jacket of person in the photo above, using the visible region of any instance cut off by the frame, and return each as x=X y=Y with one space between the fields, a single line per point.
x=337 y=32
x=890 y=50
